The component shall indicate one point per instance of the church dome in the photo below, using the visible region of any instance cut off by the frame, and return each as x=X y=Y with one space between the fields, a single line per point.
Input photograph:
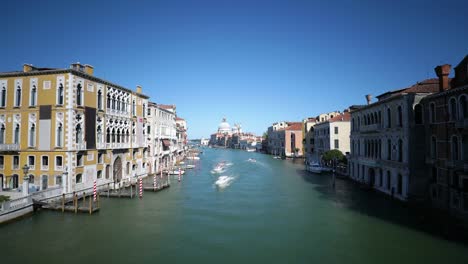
x=224 y=127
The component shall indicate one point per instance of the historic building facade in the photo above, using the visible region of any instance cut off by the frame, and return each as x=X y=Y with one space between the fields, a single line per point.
x=285 y=139
x=387 y=142
x=69 y=122
x=445 y=118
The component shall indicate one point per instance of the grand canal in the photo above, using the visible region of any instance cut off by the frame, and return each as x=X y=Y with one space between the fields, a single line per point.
x=269 y=211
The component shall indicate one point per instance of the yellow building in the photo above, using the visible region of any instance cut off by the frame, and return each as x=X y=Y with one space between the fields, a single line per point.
x=69 y=122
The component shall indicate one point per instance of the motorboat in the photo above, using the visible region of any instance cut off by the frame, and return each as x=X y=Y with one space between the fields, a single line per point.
x=315 y=168
x=176 y=172
x=189 y=166
x=252 y=160
x=277 y=157
x=193 y=158
x=250 y=150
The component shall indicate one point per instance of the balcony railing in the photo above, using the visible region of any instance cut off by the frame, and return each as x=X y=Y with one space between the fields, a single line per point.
x=9 y=147
x=370 y=128
x=81 y=146
x=462 y=123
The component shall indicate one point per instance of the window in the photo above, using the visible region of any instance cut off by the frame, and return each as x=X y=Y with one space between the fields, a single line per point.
x=108 y=101
x=18 y=96
x=100 y=159
x=389 y=149
x=133 y=108
x=79 y=160
x=99 y=174
x=16 y=162
x=418 y=114
x=463 y=107
x=99 y=134
x=2 y=162
x=16 y=137
x=400 y=150
x=79 y=178
x=31 y=162
x=2 y=134
x=58 y=180
x=31 y=179
x=79 y=95
x=46 y=85
x=107 y=171
x=400 y=184
x=3 y=96
x=99 y=100
x=32 y=136
x=59 y=163
x=60 y=95
x=128 y=168
x=400 y=117
x=336 y=130
x=453 y=109
x=389 y=180
x=433 y=147
x=455 y=148
x=464 y=148
x=337 y=145
x=78 y=134
x=389 y=118
x=59 y=135
x=45 y=163
x=33 y=96
x=432 y=113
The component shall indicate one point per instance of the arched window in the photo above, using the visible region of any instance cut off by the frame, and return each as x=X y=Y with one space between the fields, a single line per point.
x=16 y=137
x=31 y=179
x=389 y=180
x=380 y=117
x=118 y=135
x=400 y=184
x=400 y=116
x=33 y=95
x=99 y=134
x=59 y=135
x=432 y=113
x=60 y=95
x=2 y=134
x=32 y=135
x=463 y=104
x=389 y=118
x=108 y=101
x=99 y=99
x=455 y=148
x=400 y=150
x=352 y=124
x=418 y=114
x=113 y=102
x=108 y=136
x=464 y=150
x=453 y=109
x=118 y=103
x=433 y=147
x=18 y=96
x=113 y=135
x=389 y=149
x=78 y=132
x=79 y=95
x=107 y=171
x=3 y=97
x=79 y=178
x=133 y=108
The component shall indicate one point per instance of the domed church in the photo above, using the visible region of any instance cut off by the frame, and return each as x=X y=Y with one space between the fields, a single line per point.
x=224 y=127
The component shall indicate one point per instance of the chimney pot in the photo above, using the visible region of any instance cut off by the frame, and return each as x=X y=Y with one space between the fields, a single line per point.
x=89 y=69
x=369 y=98
x=443 y=72
x=27 y=67
x=139 y=89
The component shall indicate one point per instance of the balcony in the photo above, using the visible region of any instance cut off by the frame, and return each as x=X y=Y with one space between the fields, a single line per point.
x=116 y=145
x=101 y=145
x=462 y=123
x=370 y=128
x=81 y=146
x=9 y=147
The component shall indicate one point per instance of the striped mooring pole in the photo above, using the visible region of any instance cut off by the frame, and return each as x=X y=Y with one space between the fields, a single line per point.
x=94 y=191
x=154 y=182
x=141 y=187
x=179 y=174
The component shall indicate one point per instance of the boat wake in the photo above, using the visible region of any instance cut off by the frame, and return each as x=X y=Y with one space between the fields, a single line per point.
x=224 y=181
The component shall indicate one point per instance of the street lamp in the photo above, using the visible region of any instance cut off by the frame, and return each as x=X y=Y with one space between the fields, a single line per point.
x=25 y=180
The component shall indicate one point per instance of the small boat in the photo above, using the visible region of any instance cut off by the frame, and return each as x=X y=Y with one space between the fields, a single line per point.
x=315 y=168
x=252 y=160
x=250 y=150
x=176 y=172
x=182 y=162
x=193 y=158
x=189 y=166
x=277 y=157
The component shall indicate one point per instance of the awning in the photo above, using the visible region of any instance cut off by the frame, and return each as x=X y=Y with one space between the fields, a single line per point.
x=166 y=143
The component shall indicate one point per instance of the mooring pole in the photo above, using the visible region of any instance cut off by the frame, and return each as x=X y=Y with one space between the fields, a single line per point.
x=63 y=202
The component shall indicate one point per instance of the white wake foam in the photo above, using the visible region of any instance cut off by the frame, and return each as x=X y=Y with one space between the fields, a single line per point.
x=224 y=181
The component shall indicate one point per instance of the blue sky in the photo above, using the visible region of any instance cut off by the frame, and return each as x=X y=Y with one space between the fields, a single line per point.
x=253 y=62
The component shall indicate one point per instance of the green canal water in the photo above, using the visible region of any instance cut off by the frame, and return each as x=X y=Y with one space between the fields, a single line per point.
x=270 y=211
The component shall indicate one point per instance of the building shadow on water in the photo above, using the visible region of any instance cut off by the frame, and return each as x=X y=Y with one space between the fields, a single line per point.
x=350 y=195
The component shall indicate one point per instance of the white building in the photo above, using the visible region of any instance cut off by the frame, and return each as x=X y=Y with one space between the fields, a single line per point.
x=333 y=134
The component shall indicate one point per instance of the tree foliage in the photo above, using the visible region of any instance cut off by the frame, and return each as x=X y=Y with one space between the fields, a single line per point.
x=334 y=154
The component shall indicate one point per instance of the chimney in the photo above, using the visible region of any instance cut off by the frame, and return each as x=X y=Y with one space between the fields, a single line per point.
x=27 y=67
x=138 y=89
x=443 y=72
x=369 y=98
x=89 y=69
x=77 y=66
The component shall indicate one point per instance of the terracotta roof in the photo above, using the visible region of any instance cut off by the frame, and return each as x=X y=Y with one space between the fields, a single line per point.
x=294 y=126
x=343 y=117
x=179 y=119
x=426 y=86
